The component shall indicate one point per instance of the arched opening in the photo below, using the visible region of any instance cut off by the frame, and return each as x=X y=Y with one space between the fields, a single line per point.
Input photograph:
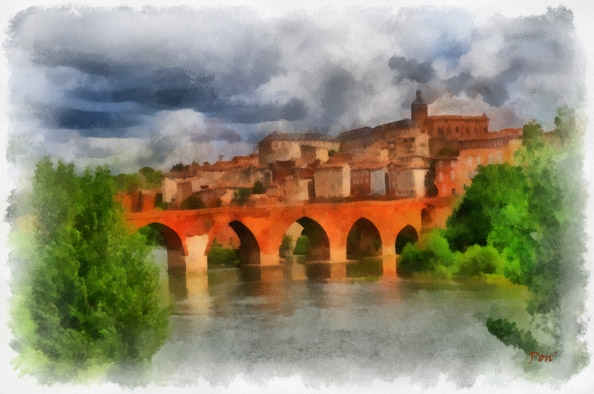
x=407 y=235
x=425 y=219
x=249 y=250
x=311 y=240
x=363 y=240
x=163 y=239
x=224 y=250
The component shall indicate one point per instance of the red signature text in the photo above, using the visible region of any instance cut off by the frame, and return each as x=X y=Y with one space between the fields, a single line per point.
x=536 y=356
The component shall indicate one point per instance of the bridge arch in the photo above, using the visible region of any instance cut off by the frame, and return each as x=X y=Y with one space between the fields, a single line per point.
x=407 y=235
x=318 y=243
x=176 y=250
x=249 y=249
x=363 y=240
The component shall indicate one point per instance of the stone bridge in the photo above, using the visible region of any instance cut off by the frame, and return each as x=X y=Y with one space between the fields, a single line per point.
x=336 y=231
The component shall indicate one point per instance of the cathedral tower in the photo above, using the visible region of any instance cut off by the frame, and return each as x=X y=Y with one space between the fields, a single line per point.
x=419 y=111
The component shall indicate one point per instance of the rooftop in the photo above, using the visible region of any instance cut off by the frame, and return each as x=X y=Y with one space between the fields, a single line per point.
x=308 y=136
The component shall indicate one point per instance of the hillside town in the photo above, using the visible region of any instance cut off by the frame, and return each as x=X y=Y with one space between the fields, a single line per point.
x=424 y=156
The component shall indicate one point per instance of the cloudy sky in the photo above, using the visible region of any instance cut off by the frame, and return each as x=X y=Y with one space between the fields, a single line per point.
x=156 y=86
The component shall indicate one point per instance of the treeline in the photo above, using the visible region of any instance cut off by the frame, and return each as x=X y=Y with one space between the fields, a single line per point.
x=146 y=178
x=524 y=222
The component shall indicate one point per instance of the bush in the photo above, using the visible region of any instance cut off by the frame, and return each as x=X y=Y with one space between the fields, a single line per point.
x=285 y=247
x=431 y=252
x=258 y=188
x=301 y=246
x=241 y=196
x=479 y=260
x=219 y=257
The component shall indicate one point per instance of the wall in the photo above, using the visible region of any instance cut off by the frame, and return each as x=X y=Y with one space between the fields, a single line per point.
x=377 y=182
x=334 y=181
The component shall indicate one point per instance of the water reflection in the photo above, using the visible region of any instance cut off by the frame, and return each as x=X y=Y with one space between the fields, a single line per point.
x=189 y=293
x=324 y=321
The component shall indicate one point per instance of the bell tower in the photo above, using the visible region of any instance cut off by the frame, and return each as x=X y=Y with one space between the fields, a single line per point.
x=419 y=111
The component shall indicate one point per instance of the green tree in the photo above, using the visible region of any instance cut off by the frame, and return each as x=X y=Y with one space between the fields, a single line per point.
x=430 y=254
x=258 y=188
x=301 y=245
x=151 y=177
x=220 y=257
x=128 y=183
x=285 y=246
x=242 y=196
x=494 y=188
x=93 y=298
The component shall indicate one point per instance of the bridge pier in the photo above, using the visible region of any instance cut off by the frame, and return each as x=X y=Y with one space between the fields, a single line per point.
x=338 y=255
x=269 y=259
x=196 y=260
x=389 y=265
x=389 y=260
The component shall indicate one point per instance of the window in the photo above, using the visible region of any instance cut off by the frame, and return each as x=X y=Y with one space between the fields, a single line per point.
x=440 y=177
x=453 y=175
x=469 y=161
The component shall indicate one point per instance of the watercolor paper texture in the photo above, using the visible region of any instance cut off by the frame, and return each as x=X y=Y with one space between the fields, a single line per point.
x=207 y=86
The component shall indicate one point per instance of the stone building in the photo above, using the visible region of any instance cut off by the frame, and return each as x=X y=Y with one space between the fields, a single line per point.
x=332 y=180
x=400 y=159
x=304 y=148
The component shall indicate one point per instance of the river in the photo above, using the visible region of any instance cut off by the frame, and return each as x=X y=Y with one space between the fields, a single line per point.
x=332 y=324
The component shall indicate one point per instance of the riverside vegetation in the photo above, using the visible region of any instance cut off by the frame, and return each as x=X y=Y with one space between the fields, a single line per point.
x=525 y=223
x=86 y=294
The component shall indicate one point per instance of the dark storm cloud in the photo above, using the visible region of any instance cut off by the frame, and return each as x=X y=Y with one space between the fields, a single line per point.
x=493 y=90
x=294 y=109
x=222 y=55
x=411 y=69
x=338 y=91
x=166 y=89
x=179 y=79
x=93 y=123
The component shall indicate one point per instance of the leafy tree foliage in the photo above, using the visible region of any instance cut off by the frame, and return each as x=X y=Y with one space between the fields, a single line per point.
x=285 y=246
x=258 y=188
x=432 y=253
x=493 y=189
x=510 y=335
x=242 y=196
x=220 y=257
x=180 y=167
x=301 y=246
x=94 y=296
x=152 y=178
x=146 y=178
